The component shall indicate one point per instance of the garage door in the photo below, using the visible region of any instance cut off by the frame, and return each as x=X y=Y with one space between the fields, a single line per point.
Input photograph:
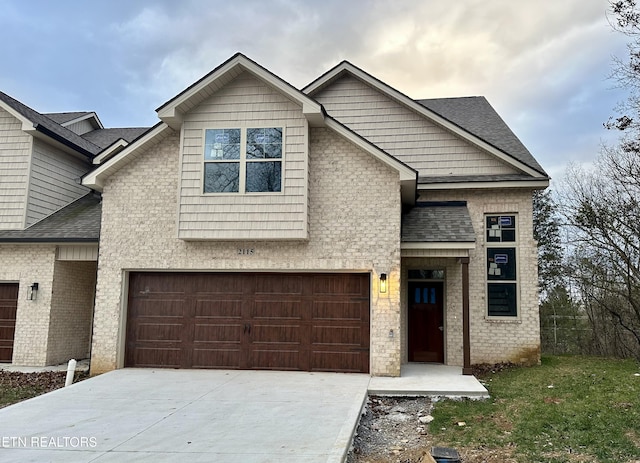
x=8 y=308
x=310 y=322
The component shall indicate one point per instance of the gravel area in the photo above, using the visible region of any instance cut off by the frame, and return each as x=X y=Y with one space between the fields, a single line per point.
x=392 y=429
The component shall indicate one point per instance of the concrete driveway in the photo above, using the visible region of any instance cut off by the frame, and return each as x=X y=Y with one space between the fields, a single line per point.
x=140 y=415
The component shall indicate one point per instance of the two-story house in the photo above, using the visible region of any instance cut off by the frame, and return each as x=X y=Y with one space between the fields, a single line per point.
x=49 y=230
x=341 y=227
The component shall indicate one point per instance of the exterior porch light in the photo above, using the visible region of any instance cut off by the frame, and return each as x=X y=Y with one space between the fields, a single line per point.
x=32 y=292
x=383 y=282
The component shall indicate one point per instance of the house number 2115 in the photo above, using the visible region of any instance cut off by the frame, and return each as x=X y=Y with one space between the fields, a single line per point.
x=246 y=251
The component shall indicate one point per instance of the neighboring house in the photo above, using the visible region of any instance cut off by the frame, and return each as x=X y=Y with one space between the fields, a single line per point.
x=341 y=227
x=49 y=230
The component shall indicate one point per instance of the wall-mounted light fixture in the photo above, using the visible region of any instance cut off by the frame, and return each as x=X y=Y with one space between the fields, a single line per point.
x=32 y=292
x=383 y=282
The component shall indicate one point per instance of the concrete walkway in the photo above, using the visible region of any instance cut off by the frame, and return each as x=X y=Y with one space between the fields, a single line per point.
x=143 y=415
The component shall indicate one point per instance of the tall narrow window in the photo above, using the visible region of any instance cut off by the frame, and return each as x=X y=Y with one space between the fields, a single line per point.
x=502 y=269
x=243 y=160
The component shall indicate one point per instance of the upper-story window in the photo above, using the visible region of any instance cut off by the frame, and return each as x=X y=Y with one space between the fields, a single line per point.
x=247 y=160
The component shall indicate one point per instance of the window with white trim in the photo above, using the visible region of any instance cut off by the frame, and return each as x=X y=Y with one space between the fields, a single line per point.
x=243 y=160
x=502 y=269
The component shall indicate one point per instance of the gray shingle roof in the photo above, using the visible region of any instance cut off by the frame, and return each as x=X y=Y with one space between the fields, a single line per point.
x=106 y=137
x=475 y=115
x=78 y=222
x=438 y=222
x=61 y=118
x=51 y=128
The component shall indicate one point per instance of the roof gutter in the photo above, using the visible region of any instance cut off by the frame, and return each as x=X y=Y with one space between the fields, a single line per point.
x=60 y=139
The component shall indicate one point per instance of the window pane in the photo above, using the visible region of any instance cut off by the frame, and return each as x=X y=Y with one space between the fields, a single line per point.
x=501 y=228
x=502 y=299
x=501 y=263
x=221 y=177
x=264 y=176
x=264 y=143
x=221 y=144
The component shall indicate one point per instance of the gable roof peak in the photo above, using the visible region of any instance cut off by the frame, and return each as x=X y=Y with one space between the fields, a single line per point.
x=173 y=110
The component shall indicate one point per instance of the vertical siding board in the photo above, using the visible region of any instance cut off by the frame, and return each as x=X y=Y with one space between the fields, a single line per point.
x=15 y=153
x=244 y=102
x=421 y=144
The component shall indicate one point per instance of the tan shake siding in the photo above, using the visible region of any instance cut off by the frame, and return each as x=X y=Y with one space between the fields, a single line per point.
x=404 y=133
x=498 y=339
x=71 y=311
x=54 y=181
x=15 y=155
x=245 y=102
x=28 y=264
x=81 y=127
x=354 y=226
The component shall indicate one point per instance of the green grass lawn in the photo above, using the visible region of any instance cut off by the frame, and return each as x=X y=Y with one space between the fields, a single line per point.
x=568 y=409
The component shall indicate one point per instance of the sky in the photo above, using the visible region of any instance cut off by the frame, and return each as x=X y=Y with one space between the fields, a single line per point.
x=544 y=65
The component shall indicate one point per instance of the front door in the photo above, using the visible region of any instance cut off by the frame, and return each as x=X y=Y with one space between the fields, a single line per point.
x=426 y=321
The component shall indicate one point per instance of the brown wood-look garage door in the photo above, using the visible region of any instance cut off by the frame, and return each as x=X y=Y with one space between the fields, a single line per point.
x=311 y=322
x=8 y=308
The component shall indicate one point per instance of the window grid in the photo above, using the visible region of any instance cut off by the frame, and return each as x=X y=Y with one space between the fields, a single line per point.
x=502 y=265
x=243 y=160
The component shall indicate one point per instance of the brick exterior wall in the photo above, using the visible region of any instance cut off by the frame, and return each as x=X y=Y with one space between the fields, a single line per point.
x=492 y=339
x=26 y=264
x=74 y=285
x=354 y=226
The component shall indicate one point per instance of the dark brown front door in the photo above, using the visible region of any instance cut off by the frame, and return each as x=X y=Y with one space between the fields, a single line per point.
x=312 y=322
x=8 y=308
x=426 y=322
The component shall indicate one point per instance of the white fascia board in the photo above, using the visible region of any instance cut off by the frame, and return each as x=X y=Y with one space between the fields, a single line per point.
x=91 y=115
x=408 y=102
x=533 y=183
x=438 y=245
x=95 y=179
x=311 y=109
x=406 y=172
x=27 y=125
x=110 y=150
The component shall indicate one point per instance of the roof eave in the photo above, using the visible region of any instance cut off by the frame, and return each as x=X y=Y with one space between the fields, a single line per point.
x=50 y=240
x=438 y=245
x=534 y=183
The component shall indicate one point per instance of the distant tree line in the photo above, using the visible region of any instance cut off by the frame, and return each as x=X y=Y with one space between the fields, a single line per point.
x=589 y=233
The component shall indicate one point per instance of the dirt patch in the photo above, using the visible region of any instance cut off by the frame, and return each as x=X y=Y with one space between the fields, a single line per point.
x=395 y=430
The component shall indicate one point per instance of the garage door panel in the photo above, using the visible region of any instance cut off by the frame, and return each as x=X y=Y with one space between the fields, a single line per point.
x=214 y=283
x=159 y=308
x=277 y=334
x=345 y=362
x=8 y=311
x=353 y=285
x=278 y=309
x=251 y=320
x=347 y=336
x=277 y=359
x=279 y=284
x=219 y=308
x=339 y=311
x=157 y=357
x=218 y=333
x=165 y=332
x=154 y=283
x=216 y=358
